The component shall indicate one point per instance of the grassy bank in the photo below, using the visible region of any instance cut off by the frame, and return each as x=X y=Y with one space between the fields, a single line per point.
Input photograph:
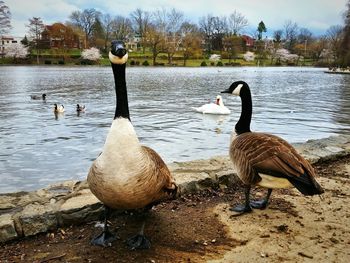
x=73 y=57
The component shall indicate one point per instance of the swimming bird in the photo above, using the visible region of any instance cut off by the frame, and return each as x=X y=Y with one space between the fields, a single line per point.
x=265 y=160
x=80 y=108
x=37 y=97
x=127 y=175
x=58 y=108
x=214 y=108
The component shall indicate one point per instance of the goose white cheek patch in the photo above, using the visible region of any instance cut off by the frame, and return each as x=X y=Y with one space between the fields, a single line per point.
x=237 y=90
x=117 y=60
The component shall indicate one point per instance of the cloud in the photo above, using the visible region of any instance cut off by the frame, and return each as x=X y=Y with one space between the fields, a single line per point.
x=49 y=11
x=316 y=15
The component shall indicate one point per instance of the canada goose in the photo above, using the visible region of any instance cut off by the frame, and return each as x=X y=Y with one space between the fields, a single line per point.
x=37 y=97
x=58 y=108
x=265 y=160
x=80 y=108
x=127 y=175
x=214 y=108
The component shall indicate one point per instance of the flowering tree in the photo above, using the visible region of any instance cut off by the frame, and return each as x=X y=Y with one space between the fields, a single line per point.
x=249 y=56
x=283 y=55
x=215 y=58
x=92 y=54
x=16 y=51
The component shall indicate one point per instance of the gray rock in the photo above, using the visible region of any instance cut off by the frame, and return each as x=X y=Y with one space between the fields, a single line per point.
x=7 y=228
x=36 y=218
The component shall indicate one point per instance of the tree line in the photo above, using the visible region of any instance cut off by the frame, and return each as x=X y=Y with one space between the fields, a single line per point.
x=169 y=31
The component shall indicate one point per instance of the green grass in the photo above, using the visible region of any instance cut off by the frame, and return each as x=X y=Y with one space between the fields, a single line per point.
x=73 y=57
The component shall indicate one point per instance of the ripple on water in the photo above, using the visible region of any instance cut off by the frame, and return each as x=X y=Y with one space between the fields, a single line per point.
x=39 y=148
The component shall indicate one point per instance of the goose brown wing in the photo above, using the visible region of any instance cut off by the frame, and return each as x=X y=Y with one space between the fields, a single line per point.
x=269 y=154
x=160 y=171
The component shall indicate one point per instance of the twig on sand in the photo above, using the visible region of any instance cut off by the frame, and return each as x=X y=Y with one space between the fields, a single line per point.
x=52 y=258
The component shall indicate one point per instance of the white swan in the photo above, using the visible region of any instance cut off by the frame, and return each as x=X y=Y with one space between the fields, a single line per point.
x=214 y=108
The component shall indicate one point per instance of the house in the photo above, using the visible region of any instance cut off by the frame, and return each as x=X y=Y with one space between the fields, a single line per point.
x=58 y=35
x=133 y=41
x=6 y=41
x=249 y=41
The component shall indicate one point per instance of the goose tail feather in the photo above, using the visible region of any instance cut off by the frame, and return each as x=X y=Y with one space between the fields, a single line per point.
x=306 y=184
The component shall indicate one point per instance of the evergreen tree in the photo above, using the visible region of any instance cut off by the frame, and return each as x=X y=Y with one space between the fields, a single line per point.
x=261 y=29
x=25 y=41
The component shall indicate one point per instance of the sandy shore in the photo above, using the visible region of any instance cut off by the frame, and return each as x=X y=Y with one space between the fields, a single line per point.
x=197 y=227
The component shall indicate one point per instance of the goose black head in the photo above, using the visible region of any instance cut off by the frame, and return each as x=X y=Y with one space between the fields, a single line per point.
x=118 y=53
x=43 y=96
x=236 y=87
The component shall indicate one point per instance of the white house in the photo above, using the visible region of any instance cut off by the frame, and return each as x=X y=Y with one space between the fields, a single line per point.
x=6 y=41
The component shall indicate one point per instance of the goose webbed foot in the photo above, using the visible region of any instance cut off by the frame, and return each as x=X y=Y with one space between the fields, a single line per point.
x=242 y=208
x=261 y=204
x=104 y=239
x=138 y=241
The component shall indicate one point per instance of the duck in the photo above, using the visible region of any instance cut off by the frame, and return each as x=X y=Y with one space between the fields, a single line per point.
x=58 y=108
x=214 y=108
x=37 y=97
x=265 y=160
x=80 y=108
x=127 y=175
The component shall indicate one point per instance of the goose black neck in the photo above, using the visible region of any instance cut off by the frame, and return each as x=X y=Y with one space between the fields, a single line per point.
x=243 y=124
x=122 y=107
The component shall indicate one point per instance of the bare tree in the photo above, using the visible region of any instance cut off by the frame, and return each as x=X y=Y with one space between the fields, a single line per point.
x=155 y=40
x=141 y=22
x=173 y=38
x=237 y=22
x=85 y=21
x=35 y=28
x=206 y=26
x=220 y=30
x=121 y=27
x=277 y=36
x=107 y=23
x=305 y=35
x=334 y=37
x=5 y=18
x=191 y=41
x=291 y=34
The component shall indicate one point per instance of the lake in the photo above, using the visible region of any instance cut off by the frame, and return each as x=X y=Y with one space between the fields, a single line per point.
x=39 y=148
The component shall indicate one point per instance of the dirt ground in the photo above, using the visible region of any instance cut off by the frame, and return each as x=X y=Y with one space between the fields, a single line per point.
x=200 y=228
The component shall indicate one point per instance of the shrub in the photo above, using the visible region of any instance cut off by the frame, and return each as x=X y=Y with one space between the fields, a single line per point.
x=60 y=62
x=132 y=63
x=92 y=54
x=212 y=64
x=219 y=64
x=203 y=64
x=47 y=62
x=145 y=63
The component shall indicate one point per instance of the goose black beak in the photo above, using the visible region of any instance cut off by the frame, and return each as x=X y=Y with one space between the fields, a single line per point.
x=226 y=91
x=118 y=48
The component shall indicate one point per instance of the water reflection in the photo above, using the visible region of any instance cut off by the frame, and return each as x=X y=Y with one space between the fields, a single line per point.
x=39 y=147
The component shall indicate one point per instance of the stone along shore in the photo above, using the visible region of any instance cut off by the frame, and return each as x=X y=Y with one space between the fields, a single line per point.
x=29 y=213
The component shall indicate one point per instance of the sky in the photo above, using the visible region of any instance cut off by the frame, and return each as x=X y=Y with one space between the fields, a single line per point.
x=315 y=15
